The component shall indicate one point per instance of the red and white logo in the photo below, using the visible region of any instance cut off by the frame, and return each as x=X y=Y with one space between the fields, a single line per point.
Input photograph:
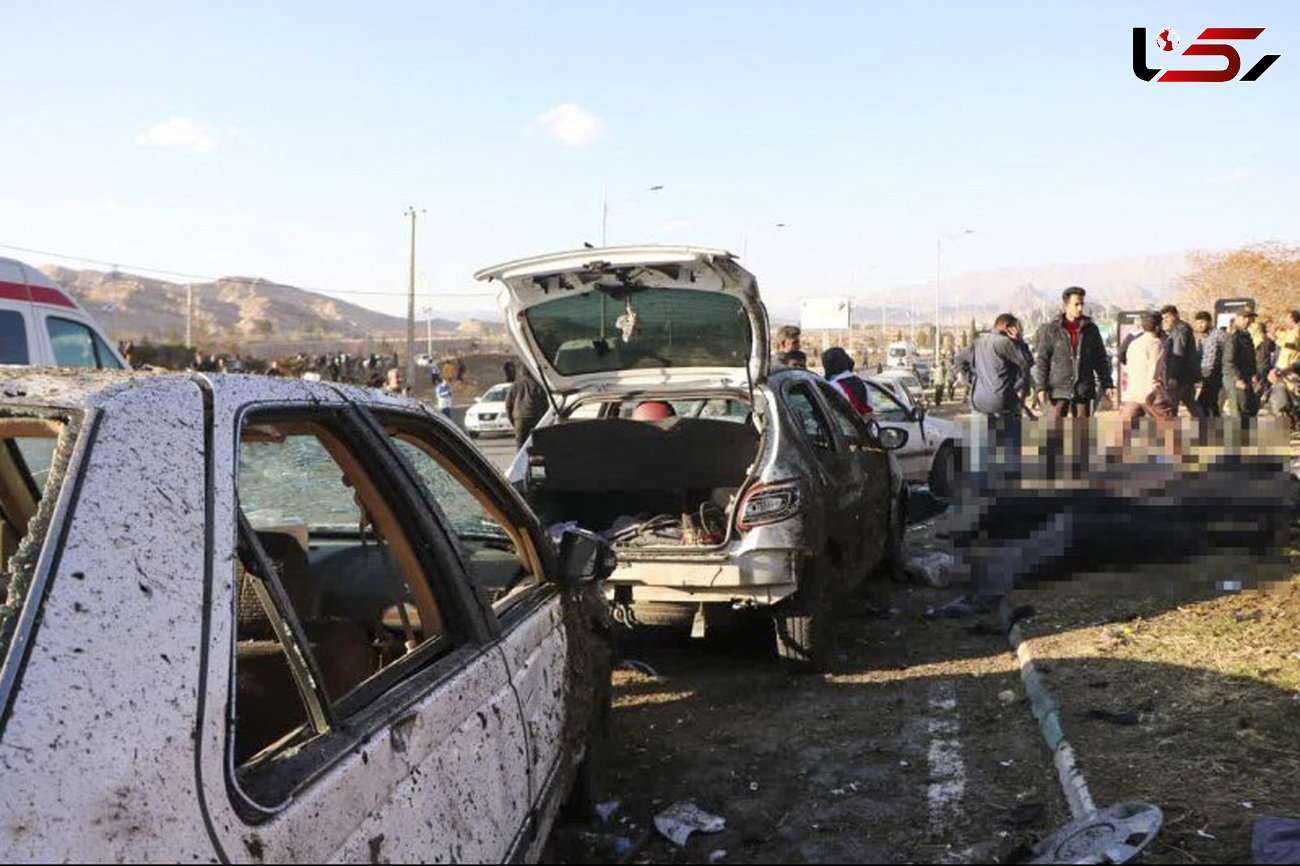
x=1167 y=40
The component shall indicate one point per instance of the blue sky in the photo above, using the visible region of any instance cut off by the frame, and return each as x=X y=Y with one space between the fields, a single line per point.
x=285 y=140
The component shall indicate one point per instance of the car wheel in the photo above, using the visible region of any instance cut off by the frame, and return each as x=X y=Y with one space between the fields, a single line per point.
x=473 y=434
x=943 y=472
x=804 y=624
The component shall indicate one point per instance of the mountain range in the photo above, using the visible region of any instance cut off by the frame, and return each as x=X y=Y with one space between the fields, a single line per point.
x=1135 y=282
x=234 y=308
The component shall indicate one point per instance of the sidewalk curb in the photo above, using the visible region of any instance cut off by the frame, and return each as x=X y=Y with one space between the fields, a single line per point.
x=1048 y=713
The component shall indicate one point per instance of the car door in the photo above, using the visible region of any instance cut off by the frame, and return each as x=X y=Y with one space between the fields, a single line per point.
x=508 y=560
x=835 y=487
x=361 y=712
x=915 y=456
x=870 y=473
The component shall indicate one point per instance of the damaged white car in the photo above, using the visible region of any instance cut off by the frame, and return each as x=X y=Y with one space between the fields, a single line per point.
x=251 y=619
x=722 y=488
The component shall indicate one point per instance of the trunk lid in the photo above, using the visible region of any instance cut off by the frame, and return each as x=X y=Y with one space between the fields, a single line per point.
x=624 y=318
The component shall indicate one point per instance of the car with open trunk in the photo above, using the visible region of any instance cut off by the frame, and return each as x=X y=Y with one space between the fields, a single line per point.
x=723 y=488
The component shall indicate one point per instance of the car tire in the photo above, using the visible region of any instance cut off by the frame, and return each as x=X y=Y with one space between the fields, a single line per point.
x=804 y=625
x=473 y=434
x=943 y=472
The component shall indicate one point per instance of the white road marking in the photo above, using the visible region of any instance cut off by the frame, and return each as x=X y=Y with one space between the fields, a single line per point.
x=947 y=769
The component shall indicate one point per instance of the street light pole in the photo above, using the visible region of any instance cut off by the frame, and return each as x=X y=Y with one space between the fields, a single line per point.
x=604 y=211
x=410 y=307
x=938 y=260
x=189 y=315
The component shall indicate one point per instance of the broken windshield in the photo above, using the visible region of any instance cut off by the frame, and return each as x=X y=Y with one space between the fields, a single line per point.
x=611 y=330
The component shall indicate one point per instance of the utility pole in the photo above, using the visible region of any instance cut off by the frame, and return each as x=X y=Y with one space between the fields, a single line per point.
x=189 y=315
x=410 y=307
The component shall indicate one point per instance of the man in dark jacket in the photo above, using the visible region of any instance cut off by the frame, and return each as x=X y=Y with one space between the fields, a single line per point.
x=1239 y=367
x=1072 y=360
x=998 y=371
x=1182 y=365
x=526 y=403
x=1071 y=364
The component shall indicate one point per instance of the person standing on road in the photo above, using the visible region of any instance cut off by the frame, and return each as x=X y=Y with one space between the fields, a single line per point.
x=1239 y=367
x=1288 y=341
x=1071 y=364
x=1182 y=367
x=526 y=403
x=998 y=371
x=1146 y=360
x=1265 y=353
x=838 y=368
x=788 y=339
x=443 y=394
x=940 y=380
x=1209 y=347
x=1072 y=360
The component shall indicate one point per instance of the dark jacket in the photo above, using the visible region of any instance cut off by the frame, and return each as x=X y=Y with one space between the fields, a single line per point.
x=836 y=361
x=998 y=369
x=1067 y=372
x=526 y=400
x=1239 y=357
x=1182 y=364
x=1265 y=352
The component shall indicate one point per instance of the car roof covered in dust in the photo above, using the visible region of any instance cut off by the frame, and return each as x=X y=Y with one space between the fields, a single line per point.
x=62 y=388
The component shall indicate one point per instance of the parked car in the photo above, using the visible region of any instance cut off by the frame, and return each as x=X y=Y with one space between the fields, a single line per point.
x=903 y=381
x=259 y=619
x=932 y=452
x=487 y=416
x=722 y=487
x=42 y=325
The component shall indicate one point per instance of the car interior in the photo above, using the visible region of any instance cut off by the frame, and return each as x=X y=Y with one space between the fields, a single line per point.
x=358 y=591
x=676 y=473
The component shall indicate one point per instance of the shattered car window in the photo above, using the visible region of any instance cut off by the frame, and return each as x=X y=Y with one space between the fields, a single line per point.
x=28 y=482
x=598 y=332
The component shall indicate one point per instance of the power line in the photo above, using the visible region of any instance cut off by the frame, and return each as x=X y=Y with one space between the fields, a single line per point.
x=211 y=279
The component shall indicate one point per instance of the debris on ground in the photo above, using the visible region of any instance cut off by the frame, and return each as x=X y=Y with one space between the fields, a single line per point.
x=606 y=809
x=1276 y=840
x=932 y=568
x=1026 y=814
x=683 y=818
x=1125 y=718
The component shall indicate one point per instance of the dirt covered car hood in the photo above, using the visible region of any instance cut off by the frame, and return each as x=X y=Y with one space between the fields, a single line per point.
x=634 y=317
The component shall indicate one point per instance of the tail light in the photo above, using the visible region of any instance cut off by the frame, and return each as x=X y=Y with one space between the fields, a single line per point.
x=768 y=503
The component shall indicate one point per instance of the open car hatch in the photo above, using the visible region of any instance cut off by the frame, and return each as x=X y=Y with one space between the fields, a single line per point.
x=626 y=318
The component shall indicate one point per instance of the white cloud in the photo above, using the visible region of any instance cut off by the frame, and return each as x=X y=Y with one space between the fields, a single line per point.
x=676 y=227
x=572 y=125
x=184 y=134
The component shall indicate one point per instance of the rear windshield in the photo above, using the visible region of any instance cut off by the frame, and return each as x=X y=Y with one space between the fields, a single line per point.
x=600 y=331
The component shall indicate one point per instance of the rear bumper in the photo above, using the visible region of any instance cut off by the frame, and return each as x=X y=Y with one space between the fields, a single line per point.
x=761 y=578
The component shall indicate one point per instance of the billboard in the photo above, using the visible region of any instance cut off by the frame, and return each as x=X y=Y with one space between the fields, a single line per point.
x=825 y=314
x=1226 y=308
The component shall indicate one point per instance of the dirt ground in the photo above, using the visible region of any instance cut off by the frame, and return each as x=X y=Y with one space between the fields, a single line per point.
x=920 y=745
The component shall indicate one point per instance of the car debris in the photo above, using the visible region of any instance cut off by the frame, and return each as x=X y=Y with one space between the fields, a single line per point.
x=683 y=818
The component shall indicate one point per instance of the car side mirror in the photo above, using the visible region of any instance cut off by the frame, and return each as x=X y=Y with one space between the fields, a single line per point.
x=584 y=557
x=893 y=438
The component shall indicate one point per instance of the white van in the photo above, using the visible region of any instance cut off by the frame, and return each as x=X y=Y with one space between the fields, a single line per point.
x=41 y=325
x=899 y=355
